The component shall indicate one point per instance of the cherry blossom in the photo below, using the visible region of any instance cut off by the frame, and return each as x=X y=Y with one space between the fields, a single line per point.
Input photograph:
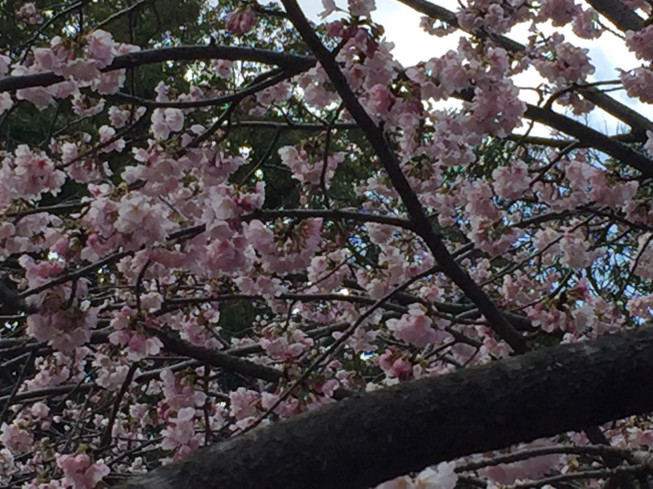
x=80 y=472
x=274 y=225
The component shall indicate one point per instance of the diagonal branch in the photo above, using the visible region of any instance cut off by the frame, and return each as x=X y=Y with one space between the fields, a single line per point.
x=619 y=14
x=415 y=210
x=636 y=121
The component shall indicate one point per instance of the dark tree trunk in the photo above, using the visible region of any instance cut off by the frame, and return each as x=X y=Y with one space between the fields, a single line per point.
x=376 y=436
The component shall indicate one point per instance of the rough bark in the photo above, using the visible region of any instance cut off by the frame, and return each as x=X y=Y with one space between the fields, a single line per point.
x=379 y=435
x=619 y=14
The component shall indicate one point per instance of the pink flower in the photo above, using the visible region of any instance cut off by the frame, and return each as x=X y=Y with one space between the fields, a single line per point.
x=27 y=14
x=586 y=24
x=243 y=403
x=361 y=7
x=107 y=133
x=329 y=8
x=81 y=70
x=100 y=46
x=5 y=61
x=638 y=83
x=35 y=173
x=143 y=220
x=381 y=99
x=64 y=330
x=80 y=472
x=414 y=328
x=648 y=146
x=118 y=117
x=165 y=121
x=240 y=21
x=443 y=476
x=641 y=43
x=308 y=172
x=16 y=437
x=287 y=347
x=510 y=182
x=177 y=395
x=180 y=429
x=570 y=64
x=109 y=82
x=559 y=11
x=39 y=410
x=6 y=102
x=395 y=367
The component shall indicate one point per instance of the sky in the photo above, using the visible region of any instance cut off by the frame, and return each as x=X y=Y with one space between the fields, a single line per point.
x=412 y=44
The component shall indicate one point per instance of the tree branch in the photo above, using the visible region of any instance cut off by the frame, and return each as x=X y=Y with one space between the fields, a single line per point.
x=415 y=210
x=365 y=440
x=291 y=62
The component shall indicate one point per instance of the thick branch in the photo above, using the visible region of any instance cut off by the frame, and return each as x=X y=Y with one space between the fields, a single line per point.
x=379 y=435
x=619 y=14
x=589 y=137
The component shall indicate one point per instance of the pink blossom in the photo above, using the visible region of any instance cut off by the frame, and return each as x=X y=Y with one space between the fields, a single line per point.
x=227 y=252
x=80 y=70
x=35 y=173
x=106 y=134
x=510 y=182
x=309 y=172
x=180 y=430
x=118 y=117
x=86 y=106
x=329 y=8
x=138 y=345
x=243 y=403
x=286 y=347
x=6 y=102
x=111 y=375
x=414 y=328
x=560 y=12
x=284 y=409
x=381 y=99
x=641 y=43
x=143 y=220
x=165 y=121
x=63 y=330
x=80 y=472
x=16 y=437
x=641 y=306
x=27 y=14
x=570 y=64
x=575 y=252
x=586 y=24
x=395 y=367
x=40 y=410
x=222 y=67
x=443 y=476
x=241 y=21
x=5 y=61
x=100 y=46
x=531 y=468
x=638 y=82
x=110 y=82
x=361 y=7
x=179 y=395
